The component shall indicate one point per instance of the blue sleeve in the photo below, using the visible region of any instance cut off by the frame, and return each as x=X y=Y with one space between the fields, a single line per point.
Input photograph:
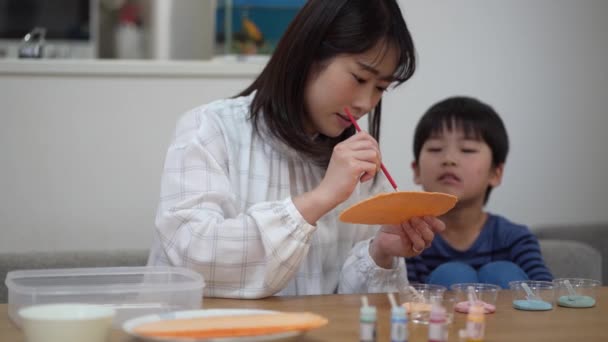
x=525 y=252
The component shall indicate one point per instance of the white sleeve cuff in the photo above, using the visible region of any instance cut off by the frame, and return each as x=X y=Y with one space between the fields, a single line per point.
x=303 y=229
x=380 y=279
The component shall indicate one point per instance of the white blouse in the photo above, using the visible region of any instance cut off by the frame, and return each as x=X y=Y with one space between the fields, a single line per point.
x=226 y=211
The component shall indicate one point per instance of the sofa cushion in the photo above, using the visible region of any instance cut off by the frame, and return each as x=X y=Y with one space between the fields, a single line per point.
x=595 y=235
x=571 y=259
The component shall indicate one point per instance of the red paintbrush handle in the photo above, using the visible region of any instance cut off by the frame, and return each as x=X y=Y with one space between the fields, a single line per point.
x=388 y=175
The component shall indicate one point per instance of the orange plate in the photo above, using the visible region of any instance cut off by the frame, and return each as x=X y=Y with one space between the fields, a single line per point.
x=397 y=207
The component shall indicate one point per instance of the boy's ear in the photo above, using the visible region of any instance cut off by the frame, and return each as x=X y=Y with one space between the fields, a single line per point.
x=416 y=170
x=496 y=176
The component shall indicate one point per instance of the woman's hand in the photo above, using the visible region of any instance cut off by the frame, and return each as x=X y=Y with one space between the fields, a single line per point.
x=354 y=160
x=408 y=239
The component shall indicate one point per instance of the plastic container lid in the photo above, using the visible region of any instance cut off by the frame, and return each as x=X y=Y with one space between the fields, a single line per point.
x=131 y=291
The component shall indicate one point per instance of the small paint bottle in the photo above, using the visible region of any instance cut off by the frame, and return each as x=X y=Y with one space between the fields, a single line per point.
x=367 y=321
x=438 y=330
x=399 y=332
x=475 y=324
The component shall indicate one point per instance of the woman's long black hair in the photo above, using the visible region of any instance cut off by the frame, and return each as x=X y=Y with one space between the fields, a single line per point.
x=321 y=30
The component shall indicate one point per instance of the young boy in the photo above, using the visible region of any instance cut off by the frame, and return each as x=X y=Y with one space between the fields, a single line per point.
x=460 y=148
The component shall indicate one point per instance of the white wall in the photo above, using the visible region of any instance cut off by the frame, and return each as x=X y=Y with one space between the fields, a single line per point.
x=81 y=156
x=543 y=65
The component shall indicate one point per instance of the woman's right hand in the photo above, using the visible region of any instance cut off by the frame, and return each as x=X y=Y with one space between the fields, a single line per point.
x=356 y=159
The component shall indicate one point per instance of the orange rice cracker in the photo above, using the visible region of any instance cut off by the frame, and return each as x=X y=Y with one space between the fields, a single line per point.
x=232 y=326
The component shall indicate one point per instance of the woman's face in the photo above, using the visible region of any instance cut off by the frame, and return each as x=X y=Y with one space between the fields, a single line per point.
x=353 y=81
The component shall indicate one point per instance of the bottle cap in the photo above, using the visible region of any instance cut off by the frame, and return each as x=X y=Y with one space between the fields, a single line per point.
x=462 y=334
x=399 y=311
x=438 y=312
x=368 y=313
x=476 y=310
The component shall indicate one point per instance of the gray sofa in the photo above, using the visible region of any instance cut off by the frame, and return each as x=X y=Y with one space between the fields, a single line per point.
x=569 y=251
x=584 y=249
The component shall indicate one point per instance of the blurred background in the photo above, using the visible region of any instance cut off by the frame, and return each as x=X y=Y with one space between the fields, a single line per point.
x=85 y=128
x=147 y=29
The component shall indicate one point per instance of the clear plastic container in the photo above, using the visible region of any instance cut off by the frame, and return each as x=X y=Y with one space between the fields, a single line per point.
x=531 y=295
x=576 y=292
x=486 y=295
x=131 y=291
x=418 y=300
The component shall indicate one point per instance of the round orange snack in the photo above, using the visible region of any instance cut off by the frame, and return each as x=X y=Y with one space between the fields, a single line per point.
x=397 y=207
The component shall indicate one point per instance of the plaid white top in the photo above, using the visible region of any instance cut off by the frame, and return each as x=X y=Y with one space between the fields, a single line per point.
x=226 y=211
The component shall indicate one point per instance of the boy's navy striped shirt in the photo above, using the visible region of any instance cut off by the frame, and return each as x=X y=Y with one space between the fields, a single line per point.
x=499 y=240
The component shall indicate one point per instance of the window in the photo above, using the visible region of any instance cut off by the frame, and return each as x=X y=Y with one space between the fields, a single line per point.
x=246 y=27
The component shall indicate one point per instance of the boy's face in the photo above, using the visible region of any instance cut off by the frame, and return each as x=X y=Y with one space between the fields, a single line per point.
x=454 y=164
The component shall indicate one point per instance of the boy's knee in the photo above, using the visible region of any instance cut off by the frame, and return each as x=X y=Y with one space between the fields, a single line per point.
x=499 y=266
x=501 y=273
x=452 y=273
x=456 y=266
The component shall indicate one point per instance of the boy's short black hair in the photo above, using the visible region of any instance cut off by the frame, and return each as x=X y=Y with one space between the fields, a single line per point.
x=476 y=119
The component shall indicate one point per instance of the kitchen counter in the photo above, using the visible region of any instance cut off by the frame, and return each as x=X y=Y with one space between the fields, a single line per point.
x=217 y=68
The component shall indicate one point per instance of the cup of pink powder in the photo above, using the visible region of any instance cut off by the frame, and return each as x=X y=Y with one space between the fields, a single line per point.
x=468 y=294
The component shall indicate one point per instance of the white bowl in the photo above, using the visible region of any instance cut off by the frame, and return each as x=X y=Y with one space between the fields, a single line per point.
x=66 y=322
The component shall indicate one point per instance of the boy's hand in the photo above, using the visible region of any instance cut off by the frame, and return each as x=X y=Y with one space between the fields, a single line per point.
x=408 y=239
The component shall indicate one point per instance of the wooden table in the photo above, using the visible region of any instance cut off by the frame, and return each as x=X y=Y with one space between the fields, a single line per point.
x=507 y=324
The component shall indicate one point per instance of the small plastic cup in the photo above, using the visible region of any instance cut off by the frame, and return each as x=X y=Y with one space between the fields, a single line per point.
x=531 y=295
x=66 y=322
x=418 y=299
x=485 y=294
x=449 y=303
x=575 y=292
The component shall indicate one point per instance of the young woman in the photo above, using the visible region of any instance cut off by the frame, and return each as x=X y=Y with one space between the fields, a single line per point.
x=253 y=185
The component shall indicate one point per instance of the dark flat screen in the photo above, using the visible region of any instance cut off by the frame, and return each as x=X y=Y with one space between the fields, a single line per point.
x=63 y=19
